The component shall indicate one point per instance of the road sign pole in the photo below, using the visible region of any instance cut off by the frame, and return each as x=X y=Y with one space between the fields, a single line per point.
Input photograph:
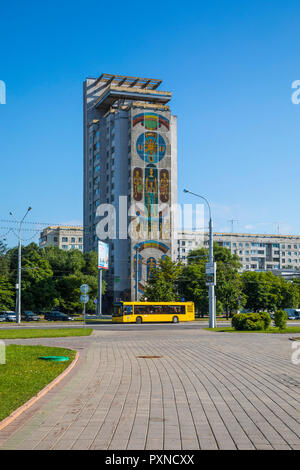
x=211 y=289
x=99 y=303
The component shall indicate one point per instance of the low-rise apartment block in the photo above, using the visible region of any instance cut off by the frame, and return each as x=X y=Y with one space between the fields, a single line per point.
x=255 y=251
x=66 y=238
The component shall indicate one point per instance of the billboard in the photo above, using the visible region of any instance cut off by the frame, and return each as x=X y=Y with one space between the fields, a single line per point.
x=103 y=252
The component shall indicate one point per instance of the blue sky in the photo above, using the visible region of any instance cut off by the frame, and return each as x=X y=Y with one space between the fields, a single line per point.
x=229 y=64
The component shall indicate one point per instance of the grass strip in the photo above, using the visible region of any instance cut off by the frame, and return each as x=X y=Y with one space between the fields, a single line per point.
x=24 y=374
x=44 y=333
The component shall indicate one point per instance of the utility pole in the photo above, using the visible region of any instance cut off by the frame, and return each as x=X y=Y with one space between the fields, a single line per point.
x=211 y=285
x=136 y=273
x=18 y=285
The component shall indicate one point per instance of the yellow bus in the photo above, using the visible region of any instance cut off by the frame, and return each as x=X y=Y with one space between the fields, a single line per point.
x=142 y=312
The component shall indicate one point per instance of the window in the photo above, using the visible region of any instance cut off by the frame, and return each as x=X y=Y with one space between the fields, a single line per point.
x=72 y=239
x=64 y=239
x=80 y=239
x=159 y=309
x=64 y=247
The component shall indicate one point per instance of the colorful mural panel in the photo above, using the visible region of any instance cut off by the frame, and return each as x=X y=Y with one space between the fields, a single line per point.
x=151 y=121
x=164 y=185
x=151 y=267
x=152 y=244
x=138 y=184
x=140 y=267
x=151 y=147
x=151 y=192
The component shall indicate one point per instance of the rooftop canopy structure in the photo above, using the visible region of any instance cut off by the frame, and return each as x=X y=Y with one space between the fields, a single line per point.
x=120 y=87
x=123 y=80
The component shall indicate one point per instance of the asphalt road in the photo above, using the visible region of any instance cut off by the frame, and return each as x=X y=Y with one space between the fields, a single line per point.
x=108 y=326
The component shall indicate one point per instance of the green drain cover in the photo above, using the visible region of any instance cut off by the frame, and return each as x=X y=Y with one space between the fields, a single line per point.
x=55 y=358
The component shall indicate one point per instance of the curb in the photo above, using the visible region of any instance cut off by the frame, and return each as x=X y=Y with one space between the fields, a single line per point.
x=15 y=414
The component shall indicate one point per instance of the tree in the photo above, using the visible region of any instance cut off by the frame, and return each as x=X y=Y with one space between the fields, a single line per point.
x=265 y=291
x=229 y=293
x=162 y=286
x=7 y=294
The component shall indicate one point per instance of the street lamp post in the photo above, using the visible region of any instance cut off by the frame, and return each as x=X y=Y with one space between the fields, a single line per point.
x=18 y=287
x=211 y=287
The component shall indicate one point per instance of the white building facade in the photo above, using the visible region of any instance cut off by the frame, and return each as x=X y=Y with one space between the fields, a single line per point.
x=256 y=252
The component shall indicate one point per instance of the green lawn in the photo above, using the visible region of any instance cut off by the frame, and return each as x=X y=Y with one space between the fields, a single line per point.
x=44 y=333
x=24 y=374
x=229 y=329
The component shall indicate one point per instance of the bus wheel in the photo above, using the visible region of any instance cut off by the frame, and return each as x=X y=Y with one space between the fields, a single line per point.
x=138 y=320
x=175 y=320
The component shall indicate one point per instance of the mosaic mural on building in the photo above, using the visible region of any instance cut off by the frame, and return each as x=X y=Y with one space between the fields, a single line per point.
x=151 y=186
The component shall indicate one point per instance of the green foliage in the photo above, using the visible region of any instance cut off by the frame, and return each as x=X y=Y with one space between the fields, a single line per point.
x=51 y=278
x=280 y=319
x=249 y=321
x=7 y=294
x=264 y=290
x=229 y=286
x=162 y=287
x=265 y=316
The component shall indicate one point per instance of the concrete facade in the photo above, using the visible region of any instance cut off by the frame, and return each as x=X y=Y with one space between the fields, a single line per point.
x=64 y=237
x=256 y=252
x=130 y=163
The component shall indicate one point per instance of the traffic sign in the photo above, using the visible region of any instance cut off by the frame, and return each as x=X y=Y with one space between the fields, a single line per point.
x=84 y=298
x=84 y=288
x=210 y=273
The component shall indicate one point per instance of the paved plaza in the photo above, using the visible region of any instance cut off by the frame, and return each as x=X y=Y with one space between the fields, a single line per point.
x=167 y=388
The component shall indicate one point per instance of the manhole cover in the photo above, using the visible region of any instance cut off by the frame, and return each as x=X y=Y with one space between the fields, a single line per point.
x=149 y=357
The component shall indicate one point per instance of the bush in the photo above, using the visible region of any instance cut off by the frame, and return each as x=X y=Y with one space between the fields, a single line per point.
x=280 y=319
x=265 y=316
x=251 y=321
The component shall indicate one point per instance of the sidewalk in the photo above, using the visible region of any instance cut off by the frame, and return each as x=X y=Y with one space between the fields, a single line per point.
x=203 y=390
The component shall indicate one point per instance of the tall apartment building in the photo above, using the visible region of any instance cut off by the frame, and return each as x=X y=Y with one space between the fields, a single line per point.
x=65 y=237
x=130 y=162
x=256 y=252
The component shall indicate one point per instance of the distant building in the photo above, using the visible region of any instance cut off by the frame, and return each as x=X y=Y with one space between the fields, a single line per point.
x=66 y=238
x=256 y=252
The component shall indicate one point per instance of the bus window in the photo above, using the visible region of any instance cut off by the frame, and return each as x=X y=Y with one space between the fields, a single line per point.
x=176 y=309
x=127 y=310
x=141 y=309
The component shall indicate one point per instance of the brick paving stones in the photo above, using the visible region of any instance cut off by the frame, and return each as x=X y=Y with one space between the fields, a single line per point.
x=205 y=391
